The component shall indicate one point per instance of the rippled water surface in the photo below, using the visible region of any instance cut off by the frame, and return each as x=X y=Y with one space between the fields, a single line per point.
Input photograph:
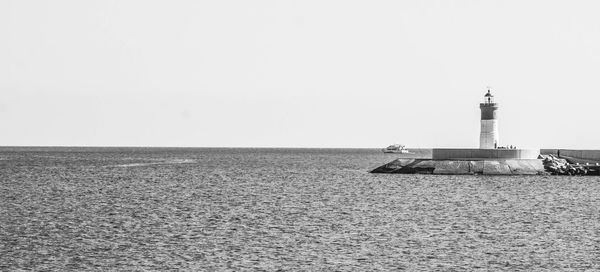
x=282 y=209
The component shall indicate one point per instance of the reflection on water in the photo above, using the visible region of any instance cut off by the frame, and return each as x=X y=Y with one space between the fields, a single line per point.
x=289 y=209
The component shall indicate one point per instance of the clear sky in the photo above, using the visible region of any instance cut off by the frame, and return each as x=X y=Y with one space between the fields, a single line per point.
x=298 y=73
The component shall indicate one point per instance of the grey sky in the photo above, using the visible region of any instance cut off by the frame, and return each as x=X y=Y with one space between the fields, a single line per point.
x=297 y=73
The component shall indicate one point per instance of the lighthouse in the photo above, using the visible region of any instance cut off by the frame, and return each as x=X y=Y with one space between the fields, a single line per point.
x=488 y=139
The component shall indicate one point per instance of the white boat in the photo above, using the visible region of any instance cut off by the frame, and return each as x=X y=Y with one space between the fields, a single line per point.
x=395 y=148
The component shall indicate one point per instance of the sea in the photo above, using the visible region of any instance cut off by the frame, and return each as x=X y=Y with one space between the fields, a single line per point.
x=282 y=209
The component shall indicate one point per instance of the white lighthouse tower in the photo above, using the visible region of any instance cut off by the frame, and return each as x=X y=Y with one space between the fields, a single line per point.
x=488 y=139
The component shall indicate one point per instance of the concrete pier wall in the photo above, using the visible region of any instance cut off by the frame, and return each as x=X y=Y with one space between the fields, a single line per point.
x=483 y=154
x=583 y=155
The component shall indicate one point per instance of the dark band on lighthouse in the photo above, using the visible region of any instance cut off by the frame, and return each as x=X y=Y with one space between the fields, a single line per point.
x=488 y=111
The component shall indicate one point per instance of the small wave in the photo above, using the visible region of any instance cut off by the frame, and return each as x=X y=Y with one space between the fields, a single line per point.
x=181 y=161
x=174 y=161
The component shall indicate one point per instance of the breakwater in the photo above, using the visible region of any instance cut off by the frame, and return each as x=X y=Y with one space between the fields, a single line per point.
x=463 y=167
x=498 y=162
